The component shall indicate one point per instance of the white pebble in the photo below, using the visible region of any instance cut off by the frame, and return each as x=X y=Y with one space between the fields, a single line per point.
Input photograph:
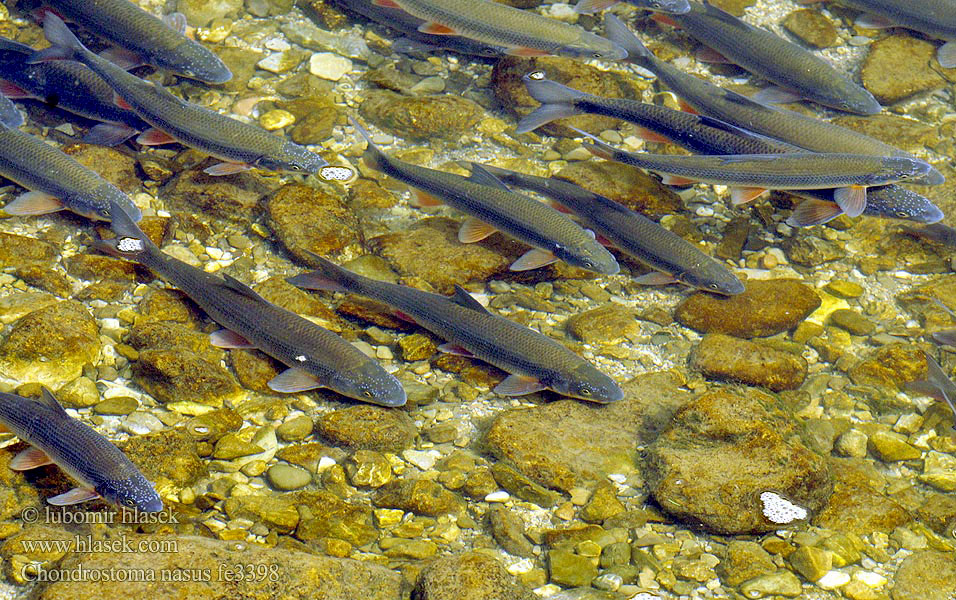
x=833 y=580
x=870 y=579
x=324 y=463
x=499 y=496
x=522 y=566
x=704 y=211
x=423 y=459
x=329 y=66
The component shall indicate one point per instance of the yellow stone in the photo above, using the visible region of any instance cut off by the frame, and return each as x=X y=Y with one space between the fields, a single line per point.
x=828 y=304
x=388 y=517
x=276 y=119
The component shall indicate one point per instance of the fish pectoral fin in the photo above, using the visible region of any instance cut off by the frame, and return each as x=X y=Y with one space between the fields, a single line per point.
x=176 y=22
x=687 y=108
x=872 y=21
x=120 y=102
x=664 y=20
x=315 y=281
x=226 y=168
x=532 y=259
x=851 y=199
x=743 y=195
x=946 y=338
x=474 y=230
x=775 y=95
x=33 y=203
x=74 y=496
x=385 y=3
x=122 y=58
x=526 y=52
x=519 y=385
x=433 y=28
x=461 y=297
x=706 y=54
x=652 y=136
x=291 y=381
x=946 y=55
x=453 y=348
x=421 y=199
x=587 y=7
x=404 y=317
x=226 y=338
x=813 y=212
x=13 y=91
x=154 y=137
x=655 y=278
x=675 y=180
x=31 y=458
x=108 y=134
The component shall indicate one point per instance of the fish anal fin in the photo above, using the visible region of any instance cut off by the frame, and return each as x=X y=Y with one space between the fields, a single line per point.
x=743 y=195
x=664 y=20
x=315 y=281
x=74 y=496
x=706 y=54
x=108 y=134
x=533 y=259
x=474 y=230
x=775 y=95
x=291 y=381
x=404 y=316
x=852 y=199
x=122 y=58
x=33 y=203
x=946 y=338
x=453 y=348
x=872 y=21
x=226 y=338
x=461 y=297
x=423 y=199
x=687 y=108
x=655 y=278
x=31 y=458
x=527 y=52
x=946 y=55
x=226 y=168
x=436 y=29
x=519 y=385
x=13 y=91
x=385 y=3
x=120 y=102
x=675 y=180
x=154 y=137
x=651 y=136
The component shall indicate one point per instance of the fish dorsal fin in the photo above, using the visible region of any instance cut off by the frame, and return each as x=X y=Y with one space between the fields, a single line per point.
x=461 y=297
x=745 y=101
x=237 y=286
x=483 y=176
x=47 y=399
x=726 y=17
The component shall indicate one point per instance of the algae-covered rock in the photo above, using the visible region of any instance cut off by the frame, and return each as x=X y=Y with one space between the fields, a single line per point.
x=743 y=561
x=508 y=530
x=606 y=324
x=722 y=451
x=18 y=249
x=468 y=576
x=570 y=569
x=325 y=515
x=765 y=308
x=603 y=504
x=419 y=496
x=51 y=345
x=172 y=376
x=368 y=427
x=230 y=197
x=624 y=184
x=421 y=117
x=858 y=504
x=167 y=458
x=728 y=358
x=926 y=575
x=109 y=163
x=521 y=486
x=308 y=219
x=898 y=67
x=275 y=512
x=812 y=27
x=890 y=366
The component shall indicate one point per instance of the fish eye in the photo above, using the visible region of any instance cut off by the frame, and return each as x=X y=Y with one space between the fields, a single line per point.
x=128 y=502
x=713 y=286
x=585 y=391
x=901 y=214
x=596 y=55
x=367 y=393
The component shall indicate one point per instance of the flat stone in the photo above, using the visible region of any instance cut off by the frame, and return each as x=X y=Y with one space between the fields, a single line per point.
x=890 y=447
x=898 y=67
x=469 y=576
x=812 y=563
x=368 y=427
x=724 y=357
x=287 y=477
x=926 y=575
x=607 y=324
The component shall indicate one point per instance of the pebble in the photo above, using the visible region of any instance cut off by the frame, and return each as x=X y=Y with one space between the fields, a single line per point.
x=141 y=423
x=329 y=66
x=287 y=477
x=499 y=496
x=833 y=580
x=423 y=459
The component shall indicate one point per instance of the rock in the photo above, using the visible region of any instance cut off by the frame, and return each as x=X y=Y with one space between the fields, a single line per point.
x=242 y=63
x=286 y=477
x=232 y=446
x=889 y=446
x=419 y=496
x=844 y=289
x=421 y=117
x=890 y=366
x=811 y=27
x=279 y=291
x=295 y=429
x=939 y=471
x=429 y=252
x=939 y=512
x=810 y=251
x=570 y=569
x=325 y=515
x=522 y=486
x=231 y=197
x=898 y=67
x=159 y=335
x=603 y=504
x=41 y=276
x=858 y=505
x=852 y=321
x=329 y=66
x=308 y=219
x=79 y=393
x=417 y=346
x=724 y=357
x=926 y=575
x=117 y=405
x=275 y=512
x=468 y=576
x=176 y=376
x=567 y=443
x=200 y=12
x=743 y=438
x=813 y=563
x=411 y=549
x=744 y=560
x=902 y=132
x=781 y=583
x=624 y=184
x=367 y=468
x=51 y=345
x=314 y=119
x=18 y=249
x=608 y=324
x=734 y=238
x=168 y=458
x=508 y=530
x=368 y=427
x=764 y=309
x=111 y=164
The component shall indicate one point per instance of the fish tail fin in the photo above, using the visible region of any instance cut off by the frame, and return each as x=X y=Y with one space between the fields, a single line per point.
x=64 y=45
x=557 y=101
x=373 y=156
x=327 y=276
x=10 y=116
x=130 y=241
x=620 y=34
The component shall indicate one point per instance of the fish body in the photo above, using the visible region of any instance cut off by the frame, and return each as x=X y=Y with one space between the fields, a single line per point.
x=633 y=233
x=885 y=201
x=316 y=357
x=936 y=385
x=520 y=31
x=495 y=207
x=241 y=145
x=100 y=468
x=936 y=18
x=939 y=234
x=152 y=39
x=534 y=361
x=671 y=7
x=780 y=61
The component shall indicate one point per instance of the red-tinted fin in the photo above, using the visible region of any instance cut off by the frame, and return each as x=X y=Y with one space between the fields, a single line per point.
x=813 y=212
x=775 y=95
x=226 y=168
x=519 y=385
x=651 y=136
x=453 y=348
x=706 y=54
x=176 y=22
x=675 y=180
x=422 y=199
x=664 y=20
x=604 y=241
x=385 y=3
x=474 y=230
x=527 y=52
x=33 y=203
x=118 y=101
x=31 y=458
x=559 y=207
x=851 y=199
x=743 y=195
x=687 y=108
x=655 y=278
x=74 y=496
x=404 y=316
x=315 y=281
x=587 y=7
x=13 y=91
x=532 y=259
x=154 y=137
x=871 y=21
x=436 y=29
x=291 y=381
x=122 y=58
x=225 y=338
x=108 y=134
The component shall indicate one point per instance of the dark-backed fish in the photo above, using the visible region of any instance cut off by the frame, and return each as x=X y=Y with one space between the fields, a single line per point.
x=936 y=385
x=493 y=207
x=658 y=248
x=241 y=145
x=68 y=85
x=936 y=233
x=100 y=468
x=673 y=7
x=885 y=201
x=316 y=357
x=534 y=361
x=55 y=180
x=521 y=32
x=158 y=42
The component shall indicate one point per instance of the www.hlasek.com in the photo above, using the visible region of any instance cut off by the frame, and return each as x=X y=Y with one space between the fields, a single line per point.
x=234 y=573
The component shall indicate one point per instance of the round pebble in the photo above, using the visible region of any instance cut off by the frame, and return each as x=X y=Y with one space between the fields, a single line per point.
x=329 y=66
x=287 y=477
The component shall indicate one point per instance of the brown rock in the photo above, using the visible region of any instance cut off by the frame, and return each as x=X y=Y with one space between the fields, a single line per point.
x=308 y=219
x=625 y=184
x=368 y=428
x=231 y=197
x=898 y=67
x=858 y=504
x=468 y=576
x=421 y=117
x=728 y=358
x=812 y=27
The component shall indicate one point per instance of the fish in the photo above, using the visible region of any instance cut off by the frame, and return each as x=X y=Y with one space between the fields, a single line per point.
x=154 y=41
x=885 y=201
x=10 y=115
x=521 y=32
x=946 y=337
x=55 y=180
x=316 y=357
x=708 y=99
x=663 y=251
x=68 y=85
x=534 y=361
x=850 y=173
x=493 y=207
x=240 y=145
x=672 y=7
x=55 y=437
x=936 y=385
x=937 y=233
x=775 y=59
